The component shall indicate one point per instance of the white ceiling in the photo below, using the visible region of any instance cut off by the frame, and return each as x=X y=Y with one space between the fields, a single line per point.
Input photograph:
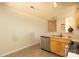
x=42 y=10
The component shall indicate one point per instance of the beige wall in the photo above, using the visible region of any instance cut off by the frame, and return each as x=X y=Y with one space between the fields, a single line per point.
x=18 y=30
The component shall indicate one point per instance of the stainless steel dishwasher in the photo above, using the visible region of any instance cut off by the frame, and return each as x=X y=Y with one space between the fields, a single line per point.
x=45 y=43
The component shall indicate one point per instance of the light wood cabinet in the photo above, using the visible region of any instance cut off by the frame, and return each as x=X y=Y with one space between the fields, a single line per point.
x=52 y=25
x=57 y=45
x=77 y=17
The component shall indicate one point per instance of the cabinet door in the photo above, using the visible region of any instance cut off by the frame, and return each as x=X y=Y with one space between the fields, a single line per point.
x=57 y=47
x=77 y=17
x=54 y=46
x=52 y=26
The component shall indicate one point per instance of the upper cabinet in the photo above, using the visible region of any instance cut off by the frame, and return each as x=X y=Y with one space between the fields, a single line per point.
x=77 y=17
x=52 y=25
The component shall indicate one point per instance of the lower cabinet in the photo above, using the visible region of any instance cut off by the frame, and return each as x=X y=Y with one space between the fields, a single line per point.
x=58 y=46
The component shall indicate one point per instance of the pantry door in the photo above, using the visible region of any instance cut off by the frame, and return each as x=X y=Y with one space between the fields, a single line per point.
x=52 y=26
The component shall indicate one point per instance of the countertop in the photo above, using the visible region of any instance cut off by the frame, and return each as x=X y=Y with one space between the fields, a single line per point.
x=69 y=36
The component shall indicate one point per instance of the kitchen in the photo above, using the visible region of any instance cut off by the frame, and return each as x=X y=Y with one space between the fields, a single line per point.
x=62 y=29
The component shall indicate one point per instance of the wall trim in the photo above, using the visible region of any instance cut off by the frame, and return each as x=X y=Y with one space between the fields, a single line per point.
x=18 y=49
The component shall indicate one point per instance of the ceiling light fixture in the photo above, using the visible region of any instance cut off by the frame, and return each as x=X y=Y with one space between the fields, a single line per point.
x=55 y=4
x=32 y=7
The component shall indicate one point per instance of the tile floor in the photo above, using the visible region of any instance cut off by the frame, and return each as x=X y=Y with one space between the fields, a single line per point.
x=33 y=51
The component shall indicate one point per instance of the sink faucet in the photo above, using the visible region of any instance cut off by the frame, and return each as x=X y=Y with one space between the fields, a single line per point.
x=61 y=35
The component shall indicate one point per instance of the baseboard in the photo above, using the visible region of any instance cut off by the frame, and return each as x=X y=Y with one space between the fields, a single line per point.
x=18 y=49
